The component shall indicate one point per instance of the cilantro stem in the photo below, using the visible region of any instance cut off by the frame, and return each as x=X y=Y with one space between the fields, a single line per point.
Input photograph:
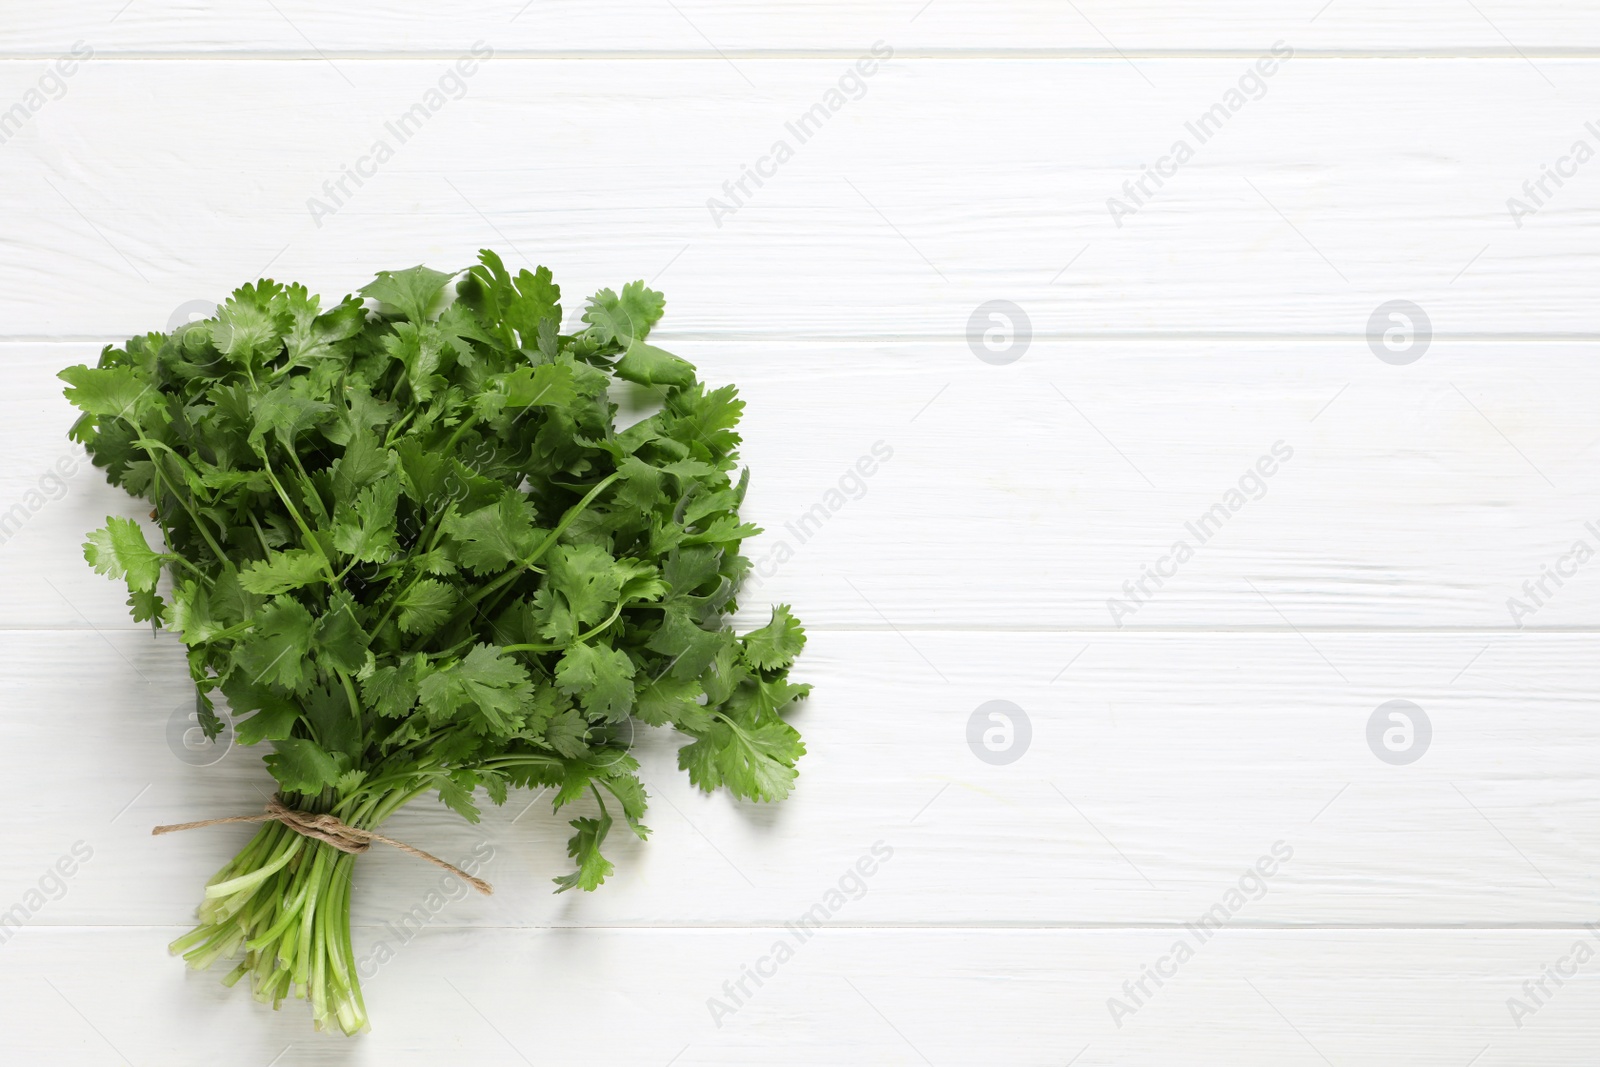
x=350 y=695
x=466 y=424
x=545 y=545
x=260 y=536
x=183 y=501
x=311 y=487
x=173 y=557
x=616 y=614
x=433 y=541
x=399 y=425
x=294 y=513
x=534 y=557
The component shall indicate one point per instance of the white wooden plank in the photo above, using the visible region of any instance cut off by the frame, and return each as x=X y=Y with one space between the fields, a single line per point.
x=1429 y=999
x=1028 y=496
x=1230 y=713
x=950 y=183
x=1159 y=768
x=1100 y=26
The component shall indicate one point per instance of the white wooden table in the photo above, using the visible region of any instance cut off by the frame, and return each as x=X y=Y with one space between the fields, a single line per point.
x=1195 y=838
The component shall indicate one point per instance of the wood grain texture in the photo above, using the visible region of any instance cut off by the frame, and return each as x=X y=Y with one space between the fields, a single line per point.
x=949 y=183
x=1172 y=747
x=1160 y=769
x=1028 y=496
x=302 y=27
x=1030 y=998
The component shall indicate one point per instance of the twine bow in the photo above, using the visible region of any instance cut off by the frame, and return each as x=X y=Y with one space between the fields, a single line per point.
x=331 y=831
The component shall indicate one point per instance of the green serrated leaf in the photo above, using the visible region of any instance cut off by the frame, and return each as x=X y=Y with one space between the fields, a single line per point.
x=775 y=645
x=282 y=571
x=416 y=293
x=118 y=550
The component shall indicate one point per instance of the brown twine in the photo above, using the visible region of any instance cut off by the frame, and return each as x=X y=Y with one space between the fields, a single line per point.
x=331 y=831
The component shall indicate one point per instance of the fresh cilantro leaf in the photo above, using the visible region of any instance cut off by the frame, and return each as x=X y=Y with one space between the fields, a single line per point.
x=415 y=293
x=755 y=762
x=487 y=681
x=649 y=365
x=584 y=846
x=775 y=645
x=668 y=700
x=547 y=385
x=626 y=318
x=283 y=571
x=600 y=677
x=301 y=766
x=494 y=537
x=110 y=392
x=413 y=549
x=366 y=532
x=275 y=650
x=391 y=690
x=425 y=606
x=119 y=550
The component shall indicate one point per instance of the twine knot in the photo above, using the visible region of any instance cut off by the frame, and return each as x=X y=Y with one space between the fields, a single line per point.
x=333 y=831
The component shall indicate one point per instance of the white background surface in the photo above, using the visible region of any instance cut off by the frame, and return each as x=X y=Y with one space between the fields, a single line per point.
x=1168 y=354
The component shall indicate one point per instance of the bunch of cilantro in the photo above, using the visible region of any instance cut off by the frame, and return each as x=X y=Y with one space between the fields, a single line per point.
x=407 y=542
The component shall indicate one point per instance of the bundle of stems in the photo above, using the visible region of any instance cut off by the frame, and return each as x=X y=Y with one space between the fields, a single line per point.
x=406 y=541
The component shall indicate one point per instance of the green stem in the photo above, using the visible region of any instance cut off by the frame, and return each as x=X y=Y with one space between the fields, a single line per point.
x=466 y=424
x=284 y=901
x=173 y=557
x=399 y=425
x=184 y=502
x=545 y=545
x=294 y=513
x=534 y=557
x=435 y=531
